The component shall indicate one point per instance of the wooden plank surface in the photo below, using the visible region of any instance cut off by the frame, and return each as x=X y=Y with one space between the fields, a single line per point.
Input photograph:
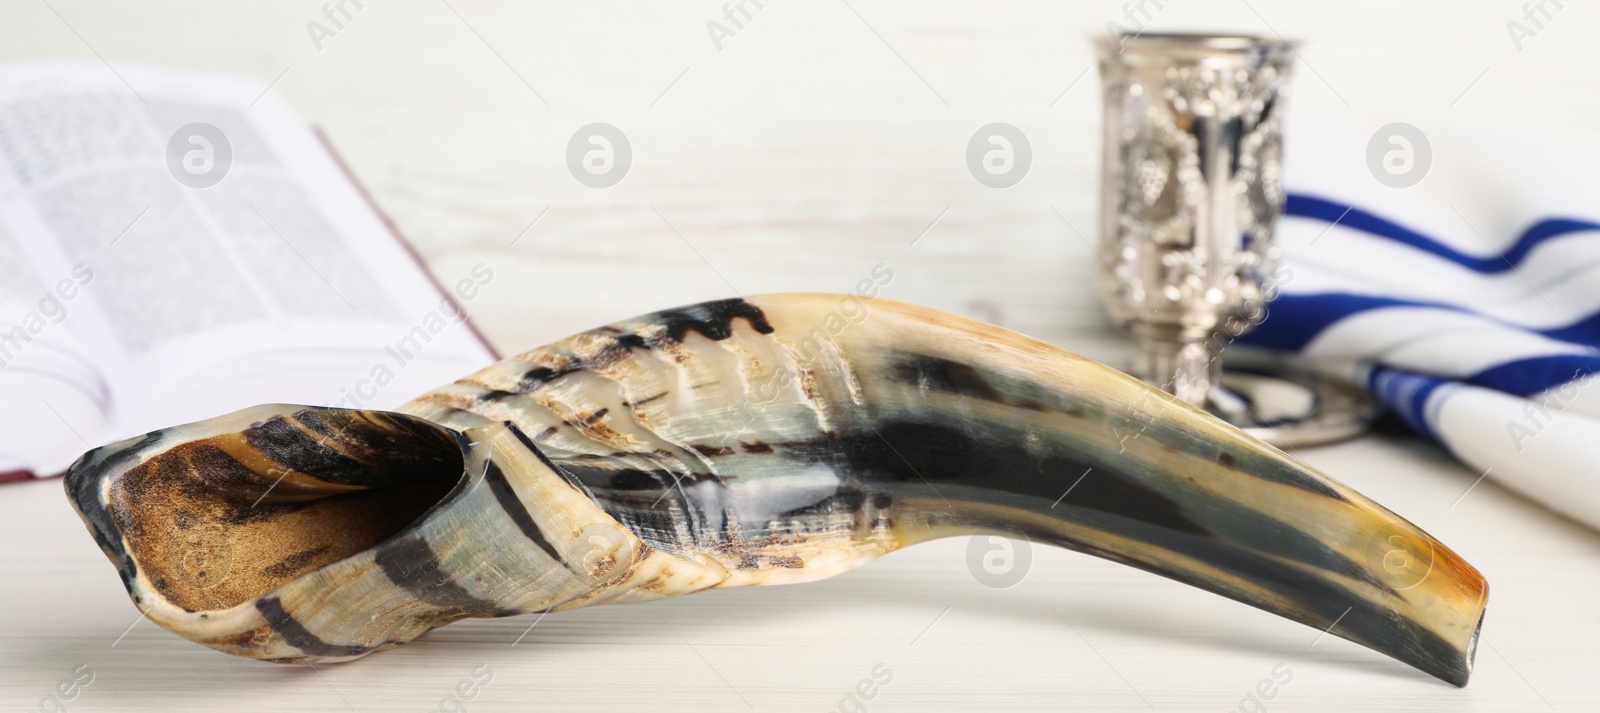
x=820 y=140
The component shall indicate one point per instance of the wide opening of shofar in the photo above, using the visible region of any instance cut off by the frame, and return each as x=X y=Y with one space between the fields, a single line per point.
x=217 y=519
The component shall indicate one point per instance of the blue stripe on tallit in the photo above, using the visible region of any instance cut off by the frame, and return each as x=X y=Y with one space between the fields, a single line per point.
x=1294 y=321
x=1407 y=395
x=1526 y=377
x=1327 y=211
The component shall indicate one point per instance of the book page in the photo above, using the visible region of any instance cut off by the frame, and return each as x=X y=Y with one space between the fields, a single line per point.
x=45 y=379
x=211 y=231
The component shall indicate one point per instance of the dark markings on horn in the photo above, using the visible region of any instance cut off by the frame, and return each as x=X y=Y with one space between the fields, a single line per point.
x=200 y=468
x=848 y=499
x=1107 y=498
x=938 y=374
x=1256 y=465
x=372 y=459
x=371 y=437
x=293 y=448
x=1317 y=602
x=653 y=504
x=931 y=373
x=543 y=459
x=410 y=563
x=538 y=376
x=295 y=563
x=1276 y=471
x=507 y=497
x=943 y=375
x=713 y=320
x=296 y=633
x=632 y=479
x=710 y=451
x=83 y=484
x=626 y=342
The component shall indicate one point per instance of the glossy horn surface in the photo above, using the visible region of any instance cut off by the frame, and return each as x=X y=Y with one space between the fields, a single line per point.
x=768 y=440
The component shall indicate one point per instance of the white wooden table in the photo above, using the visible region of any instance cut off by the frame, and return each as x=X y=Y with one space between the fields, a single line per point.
x=822 y=138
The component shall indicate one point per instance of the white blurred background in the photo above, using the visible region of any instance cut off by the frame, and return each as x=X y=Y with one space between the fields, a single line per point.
x=821 y=138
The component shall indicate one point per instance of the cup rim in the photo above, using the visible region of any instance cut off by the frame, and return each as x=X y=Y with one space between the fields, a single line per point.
x=1180 y=45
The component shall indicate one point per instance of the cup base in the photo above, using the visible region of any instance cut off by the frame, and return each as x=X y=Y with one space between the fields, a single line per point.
x=1285 y=403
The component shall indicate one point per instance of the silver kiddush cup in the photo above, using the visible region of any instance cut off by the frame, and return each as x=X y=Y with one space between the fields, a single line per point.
x=1191 y=189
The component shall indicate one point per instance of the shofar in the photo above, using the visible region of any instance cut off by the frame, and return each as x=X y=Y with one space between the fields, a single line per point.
x=774 y=440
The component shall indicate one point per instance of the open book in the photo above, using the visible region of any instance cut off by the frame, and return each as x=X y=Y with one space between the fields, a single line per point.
x=174 y=246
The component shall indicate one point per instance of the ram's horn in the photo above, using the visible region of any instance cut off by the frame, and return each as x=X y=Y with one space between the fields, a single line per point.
x=773 y=440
